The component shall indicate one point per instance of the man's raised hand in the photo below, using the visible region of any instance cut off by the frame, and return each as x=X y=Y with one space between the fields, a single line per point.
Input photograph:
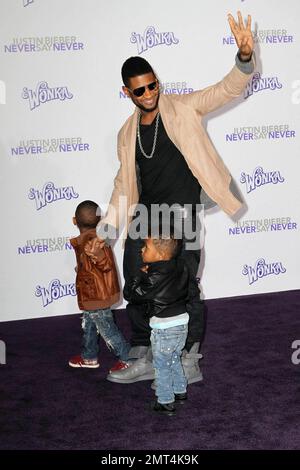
x=242 y=34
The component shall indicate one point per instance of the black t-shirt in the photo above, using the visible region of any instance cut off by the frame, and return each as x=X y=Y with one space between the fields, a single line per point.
x=166 y=177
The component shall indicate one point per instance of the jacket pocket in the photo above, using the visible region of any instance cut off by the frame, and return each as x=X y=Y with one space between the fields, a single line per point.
x=88 y=287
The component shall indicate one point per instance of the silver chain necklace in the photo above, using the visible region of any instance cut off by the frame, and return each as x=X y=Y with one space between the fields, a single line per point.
x=154 y=140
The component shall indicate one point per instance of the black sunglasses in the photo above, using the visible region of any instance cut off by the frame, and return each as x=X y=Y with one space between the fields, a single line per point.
x=141 y=90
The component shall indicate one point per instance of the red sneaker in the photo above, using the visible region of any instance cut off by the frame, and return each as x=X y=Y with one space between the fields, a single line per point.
x=120 y=365
x=78 y=361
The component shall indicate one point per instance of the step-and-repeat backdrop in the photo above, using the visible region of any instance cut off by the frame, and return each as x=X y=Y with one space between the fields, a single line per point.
x=61 y=106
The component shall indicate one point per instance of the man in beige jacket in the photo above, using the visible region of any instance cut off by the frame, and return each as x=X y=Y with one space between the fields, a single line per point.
x=166 y=157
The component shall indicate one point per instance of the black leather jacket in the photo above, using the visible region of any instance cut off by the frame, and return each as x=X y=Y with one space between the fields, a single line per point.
x=164 y=288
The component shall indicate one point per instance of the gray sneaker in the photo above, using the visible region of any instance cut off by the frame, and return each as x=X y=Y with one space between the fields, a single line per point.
x=190 y=364
x=139 y=370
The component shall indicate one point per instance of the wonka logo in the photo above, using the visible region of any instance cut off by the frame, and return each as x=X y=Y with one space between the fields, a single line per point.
x=151 y=39
x=259 y=177
x=43 y=93
x=55 y=291
x=51 y=194
x=258 y=84
x=262 y=269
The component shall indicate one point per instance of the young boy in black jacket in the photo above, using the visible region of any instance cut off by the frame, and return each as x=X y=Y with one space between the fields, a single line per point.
x=163 y=287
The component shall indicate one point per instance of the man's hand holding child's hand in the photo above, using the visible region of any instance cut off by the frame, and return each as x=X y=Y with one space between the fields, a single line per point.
x=93 y=248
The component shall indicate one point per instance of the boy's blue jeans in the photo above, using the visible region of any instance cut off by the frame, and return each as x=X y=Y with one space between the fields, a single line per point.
x=102 y=322
x=167 y=345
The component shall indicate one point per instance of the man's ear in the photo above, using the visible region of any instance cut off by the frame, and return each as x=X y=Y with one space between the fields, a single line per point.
x=125 y=90
x=74 y=221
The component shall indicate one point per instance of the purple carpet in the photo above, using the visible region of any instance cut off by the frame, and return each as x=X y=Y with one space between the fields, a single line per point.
x=249 y=398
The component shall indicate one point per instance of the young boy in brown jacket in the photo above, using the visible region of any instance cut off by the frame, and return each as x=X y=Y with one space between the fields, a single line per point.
x=97 y=290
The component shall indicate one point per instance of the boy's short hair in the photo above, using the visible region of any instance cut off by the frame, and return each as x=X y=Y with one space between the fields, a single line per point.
x=166 y=240
x=169 y=246
x=87 y=215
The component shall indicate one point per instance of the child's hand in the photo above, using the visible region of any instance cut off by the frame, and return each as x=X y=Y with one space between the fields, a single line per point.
x=93 y=248
x=145 y=268
x=93 y=258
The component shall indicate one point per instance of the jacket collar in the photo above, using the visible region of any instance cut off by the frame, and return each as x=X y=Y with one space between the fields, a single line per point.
x=163 y=266
x=169 y=114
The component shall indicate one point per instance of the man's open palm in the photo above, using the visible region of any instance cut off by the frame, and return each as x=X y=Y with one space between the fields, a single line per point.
x=242 y=34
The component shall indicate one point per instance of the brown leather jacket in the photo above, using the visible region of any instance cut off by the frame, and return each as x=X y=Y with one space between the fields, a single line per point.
x=97 y=283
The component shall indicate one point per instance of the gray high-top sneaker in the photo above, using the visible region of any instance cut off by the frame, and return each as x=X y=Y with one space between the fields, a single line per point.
x=136 y=352
x=140 y=369
x=190 y=364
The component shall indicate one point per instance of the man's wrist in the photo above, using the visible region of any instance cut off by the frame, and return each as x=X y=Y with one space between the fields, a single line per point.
x=245 y=67
x=244 y=58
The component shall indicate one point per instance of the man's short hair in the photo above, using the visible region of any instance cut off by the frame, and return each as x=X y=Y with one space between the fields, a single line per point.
x=87 y=215
x=133 y=67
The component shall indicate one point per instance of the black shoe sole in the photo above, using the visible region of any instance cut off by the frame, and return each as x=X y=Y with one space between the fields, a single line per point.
x=163 y=411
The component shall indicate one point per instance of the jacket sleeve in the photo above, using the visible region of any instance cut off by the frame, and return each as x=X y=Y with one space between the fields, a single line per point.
x=213 y=97
x=113 y=216
x=142 y=289
x=103 y=262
